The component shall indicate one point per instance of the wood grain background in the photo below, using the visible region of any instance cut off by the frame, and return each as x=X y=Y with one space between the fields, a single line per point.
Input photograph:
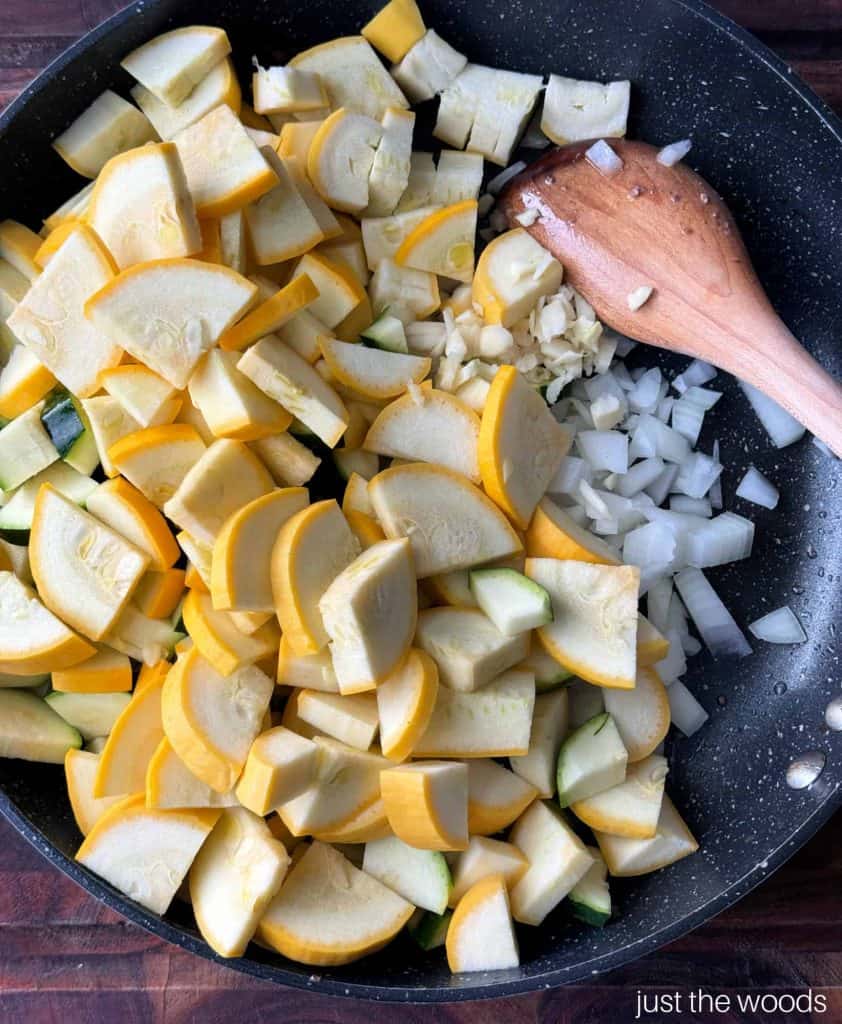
x=66 y=959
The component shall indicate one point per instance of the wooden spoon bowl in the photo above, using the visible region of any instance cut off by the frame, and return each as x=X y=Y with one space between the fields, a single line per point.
x=653 y=226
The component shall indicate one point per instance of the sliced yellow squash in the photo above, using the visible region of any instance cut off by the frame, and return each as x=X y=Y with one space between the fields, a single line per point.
x=218 y=86
x=212 y=720
x=641 y=715
x=122 y=507
x=106 y=672
x=432 y=426
x=558 y=859
x=467 y=647
x=110 y=423
x=288 y=379
x=84 y=571
x=373 y=372
x=633 y=806
x=24 y=381
x=50 y=319
x=158 y=593
x=356 y=497
x=347 y=782
x=221 y=186
x=281 y=90
x=132 y=741
x=365 y=528
x=481 y=935
x=405 y=702
x=226 y=477
x=171 y=785
x=329 y=912
x=168 y=313
x=18 y=247
x=232 y=241
x=353 y=76
x=149 y=399
x=495 y=721
x=594 y=630
x=312 y=548
x=310 y=671
x=521 y=445
x=279 y=767
x=236 y=874
x=366 y=827
x=171 y=65
x=369 y=612
x=80 y=768
x=107 y=127
x=340 y=292
x=231 y=405
x=218 y=639
x=652 y=645
x=395 y=29
x=513 y=272
x=450 y=522
x=553 y=533
x=157 y=459
x=627 y=857
x=340 y=159
x=295 y=139
x=290 y=462
x=145 y=853
x=427 y=803
x=145 y=188
x=443 y=243
x=302 y=332
x=271 y=315
x=281 y=224
x=242 y=553
x=483 y=858
x=350 y=719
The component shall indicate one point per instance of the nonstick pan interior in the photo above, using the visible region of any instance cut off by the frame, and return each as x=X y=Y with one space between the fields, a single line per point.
x=773 y=151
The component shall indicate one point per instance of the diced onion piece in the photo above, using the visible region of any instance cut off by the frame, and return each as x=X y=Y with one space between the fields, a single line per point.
x=697 y=373
x=715 y=493
x=645 y=394
x=604 y=159
x=687 y=419
x=754 y=487
x=722 y=636
x=697 y=474
x=670 y=155
x=675 y=664
x=660 y=488
x=690 y=506
x=499 y=181
x=686 y=712
x=651 y=547
x=605 y=449
x=782 y=428
x=635 y=299
x=570 y=473
x=658 y=603
x=727 y=538
x=779 y=627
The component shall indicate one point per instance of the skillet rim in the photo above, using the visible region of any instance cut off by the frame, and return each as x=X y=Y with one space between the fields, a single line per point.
x=339 y=986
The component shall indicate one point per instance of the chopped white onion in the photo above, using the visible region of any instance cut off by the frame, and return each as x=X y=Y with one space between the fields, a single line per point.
x=658 y=603
x=697 y=475
x=691 y=645
x=591 y=501
x=690 y=506
x=727 y=538
x=426 y=337
x=704 y=397
x=624 y=346
x=754 y=487
x=578 y=515
x=528 y=217
x=604 y=159
x=662 y=485
x=722 y=636
x=645 y=394
x=715 y=493
x=674 y=152
x=697 y=373
x=782 y=428
x=779 y=627
x=622 y=376
x=675 y=664
x=639 y=297
x=605 y=449
x=607 y=412
x=664 y=410
x=605 y=384
x=687 y=419
x=639 y=477
x=651 y=547
x=499 y=181
x=686 y=712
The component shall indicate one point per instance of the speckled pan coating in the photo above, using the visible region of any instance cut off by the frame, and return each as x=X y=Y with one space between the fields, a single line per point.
x=773 y=151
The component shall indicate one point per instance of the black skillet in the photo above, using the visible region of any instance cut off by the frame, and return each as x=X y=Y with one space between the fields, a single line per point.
x=773 y=151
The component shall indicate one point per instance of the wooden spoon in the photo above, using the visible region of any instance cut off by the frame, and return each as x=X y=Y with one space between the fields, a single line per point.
x=664 y=227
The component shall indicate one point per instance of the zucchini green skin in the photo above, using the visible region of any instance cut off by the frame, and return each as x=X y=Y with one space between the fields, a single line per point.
x=62 y=420
x=588 y=914
x=430 y=931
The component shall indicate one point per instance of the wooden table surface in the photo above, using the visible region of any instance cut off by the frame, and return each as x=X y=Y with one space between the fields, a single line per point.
x=64 y=958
